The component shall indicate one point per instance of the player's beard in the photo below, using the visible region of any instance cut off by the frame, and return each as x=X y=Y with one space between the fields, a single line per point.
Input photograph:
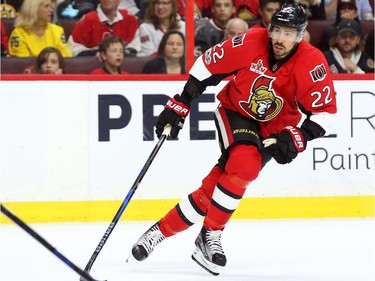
x=279 y=50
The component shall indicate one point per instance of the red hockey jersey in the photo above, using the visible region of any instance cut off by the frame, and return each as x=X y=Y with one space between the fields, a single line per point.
x=91 y=30
x=272 y=97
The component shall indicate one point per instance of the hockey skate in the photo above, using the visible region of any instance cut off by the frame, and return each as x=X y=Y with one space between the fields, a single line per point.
x=146 y=244
x=208 y=252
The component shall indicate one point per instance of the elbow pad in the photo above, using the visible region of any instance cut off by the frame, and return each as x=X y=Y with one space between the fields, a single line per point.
x=192 y=89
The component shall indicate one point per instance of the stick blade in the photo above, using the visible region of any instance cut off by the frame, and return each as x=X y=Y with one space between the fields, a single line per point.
x=92 y=279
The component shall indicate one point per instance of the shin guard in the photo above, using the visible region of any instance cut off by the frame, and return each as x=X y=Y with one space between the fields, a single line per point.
x=243 y=166
x=191 y=209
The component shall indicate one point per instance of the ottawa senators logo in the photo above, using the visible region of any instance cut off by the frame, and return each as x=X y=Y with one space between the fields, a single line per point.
x=263 y=103
x=238 y=40
x=318 y=73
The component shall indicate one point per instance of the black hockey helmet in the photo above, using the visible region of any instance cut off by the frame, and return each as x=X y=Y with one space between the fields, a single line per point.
x=290 y=15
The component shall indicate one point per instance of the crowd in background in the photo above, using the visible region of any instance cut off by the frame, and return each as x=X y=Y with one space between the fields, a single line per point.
x=112 y=30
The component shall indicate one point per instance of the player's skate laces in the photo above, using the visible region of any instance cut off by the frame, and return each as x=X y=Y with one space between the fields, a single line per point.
x=208 y=252
x=148 y=241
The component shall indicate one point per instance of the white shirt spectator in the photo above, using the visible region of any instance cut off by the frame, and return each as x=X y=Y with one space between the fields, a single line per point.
x=151 y=37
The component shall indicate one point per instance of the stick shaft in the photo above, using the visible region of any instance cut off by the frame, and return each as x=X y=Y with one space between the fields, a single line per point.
x=125 y=202
x=44 y=242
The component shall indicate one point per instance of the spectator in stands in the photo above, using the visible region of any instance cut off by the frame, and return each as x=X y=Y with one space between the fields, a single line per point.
x=34 y=31
x=161 y=16
x=107 y=20
x=315 y=9
x=234 y=27
x=211 y=32
x=365 y=10
x=330 y=9
x=49 y=61
x=346 y=9
x=4 y=41
x=129 y=5
x=345 y=55
x=244 y=9
x=111 y=53
x=139 y=7
x=171 y=55
x=266 y=10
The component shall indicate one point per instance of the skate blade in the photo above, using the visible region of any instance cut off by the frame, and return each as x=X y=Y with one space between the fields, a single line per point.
x=130 y=258
x=212 y=268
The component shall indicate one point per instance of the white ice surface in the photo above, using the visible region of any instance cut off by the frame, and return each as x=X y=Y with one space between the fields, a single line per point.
x=257 y=250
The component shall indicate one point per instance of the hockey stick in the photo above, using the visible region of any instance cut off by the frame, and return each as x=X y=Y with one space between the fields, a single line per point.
x=127 y=199
x=40 y=239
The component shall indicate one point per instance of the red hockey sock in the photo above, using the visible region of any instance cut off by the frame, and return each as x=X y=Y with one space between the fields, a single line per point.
x=172 y=223
x=225 y=200
x=203 y=195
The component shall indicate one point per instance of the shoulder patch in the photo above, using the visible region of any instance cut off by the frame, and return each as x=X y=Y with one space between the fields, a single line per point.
x=238 y=40
x=318 y=73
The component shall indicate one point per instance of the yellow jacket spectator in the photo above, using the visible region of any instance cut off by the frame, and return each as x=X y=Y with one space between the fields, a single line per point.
x=34 y=31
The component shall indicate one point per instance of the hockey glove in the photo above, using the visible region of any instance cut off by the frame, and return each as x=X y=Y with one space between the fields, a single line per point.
x=286 y=145
x=174 y=113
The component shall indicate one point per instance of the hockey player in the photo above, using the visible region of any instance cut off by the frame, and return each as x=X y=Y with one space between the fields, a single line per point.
x=276 y=76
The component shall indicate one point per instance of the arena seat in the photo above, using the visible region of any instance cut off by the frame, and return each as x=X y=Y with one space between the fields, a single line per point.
x=68 y=26
x=15 y=65
x=135 y=65
x=367 y=26
x=76 y=65
x=316 y=29
x=84 y=65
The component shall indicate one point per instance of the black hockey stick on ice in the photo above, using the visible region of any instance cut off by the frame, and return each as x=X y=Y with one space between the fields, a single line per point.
x=40 y=239
x=126 y=201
